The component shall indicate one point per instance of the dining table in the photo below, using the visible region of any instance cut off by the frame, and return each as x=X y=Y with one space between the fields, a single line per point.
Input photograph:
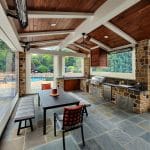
x=47 y=101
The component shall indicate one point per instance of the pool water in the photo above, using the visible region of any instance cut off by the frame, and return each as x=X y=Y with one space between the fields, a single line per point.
x=35 y=79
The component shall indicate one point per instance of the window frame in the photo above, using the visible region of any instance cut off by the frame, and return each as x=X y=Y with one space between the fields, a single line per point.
x=73 y=74
x=118 y=74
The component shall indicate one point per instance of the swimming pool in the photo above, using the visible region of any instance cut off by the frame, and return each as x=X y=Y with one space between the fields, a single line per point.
x=35 y=79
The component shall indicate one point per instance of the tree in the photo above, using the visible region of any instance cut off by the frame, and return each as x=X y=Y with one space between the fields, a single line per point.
x=42 y=69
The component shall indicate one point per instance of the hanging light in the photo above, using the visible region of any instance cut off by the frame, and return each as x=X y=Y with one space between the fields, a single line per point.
x=21 y=9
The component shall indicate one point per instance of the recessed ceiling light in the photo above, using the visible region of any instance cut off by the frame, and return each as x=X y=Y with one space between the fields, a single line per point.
x=106 y=37
x=53 y=24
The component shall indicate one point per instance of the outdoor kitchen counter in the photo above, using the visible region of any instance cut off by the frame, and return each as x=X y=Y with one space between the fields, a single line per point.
x=70 y=83
x=118 y=85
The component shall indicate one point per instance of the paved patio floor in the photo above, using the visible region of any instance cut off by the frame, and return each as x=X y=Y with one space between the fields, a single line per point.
x=106 y=128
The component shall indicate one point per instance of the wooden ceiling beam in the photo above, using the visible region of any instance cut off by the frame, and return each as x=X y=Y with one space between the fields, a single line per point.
x=119 y=32
x=33 y=34
x=53 y=14
x=103 y=14
x=100 y=44
x=79 y=46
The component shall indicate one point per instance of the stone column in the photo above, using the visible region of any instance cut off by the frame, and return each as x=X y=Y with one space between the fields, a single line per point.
x=143 y=75
x=22 y=73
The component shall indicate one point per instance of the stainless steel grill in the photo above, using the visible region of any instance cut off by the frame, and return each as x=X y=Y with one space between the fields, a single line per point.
x=96 y=80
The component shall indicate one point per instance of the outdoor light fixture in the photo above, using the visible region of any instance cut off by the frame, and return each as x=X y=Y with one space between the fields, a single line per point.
x=21 y=9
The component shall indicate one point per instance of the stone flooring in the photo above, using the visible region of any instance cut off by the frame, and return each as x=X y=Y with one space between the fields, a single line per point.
x=106 y=128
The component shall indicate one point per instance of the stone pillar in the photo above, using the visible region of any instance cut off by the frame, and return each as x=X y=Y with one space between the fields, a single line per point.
x=22 y=73
x=143 y=75
x=87 y=67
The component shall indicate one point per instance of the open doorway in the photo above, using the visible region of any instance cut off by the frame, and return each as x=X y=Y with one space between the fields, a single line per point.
x=42 y=70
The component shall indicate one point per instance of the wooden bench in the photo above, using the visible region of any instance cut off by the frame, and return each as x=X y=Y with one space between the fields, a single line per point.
x=25 y=112
x=82 y=102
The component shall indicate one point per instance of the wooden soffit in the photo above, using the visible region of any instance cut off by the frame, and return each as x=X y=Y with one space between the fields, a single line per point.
x=61 y=5
x=113 y=39
x=135 y=21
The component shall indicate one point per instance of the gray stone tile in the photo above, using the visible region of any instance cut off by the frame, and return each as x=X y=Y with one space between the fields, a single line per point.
x=34 y=138
x=108 y=143
x=115 y=120
x=145 y=124
x=95 y=126
x=108 y=124
x=90 y=145
x=58 y=145
x=120 y=114
x=88 y=133
x=138 y=144
x=146 y=136
x=131 y=128
x=120 y=136
x=145 y=115
x=136 y=119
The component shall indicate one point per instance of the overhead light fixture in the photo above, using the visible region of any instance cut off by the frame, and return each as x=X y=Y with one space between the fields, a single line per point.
x=53 y=24
x=106 y=37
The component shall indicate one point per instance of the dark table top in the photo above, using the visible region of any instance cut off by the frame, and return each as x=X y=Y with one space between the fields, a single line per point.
x=64 y=99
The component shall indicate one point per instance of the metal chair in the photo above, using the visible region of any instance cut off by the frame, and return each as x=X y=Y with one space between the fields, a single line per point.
x=71 y=119
x=46 y=86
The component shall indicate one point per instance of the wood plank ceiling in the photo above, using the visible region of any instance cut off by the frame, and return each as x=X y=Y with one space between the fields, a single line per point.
x=135 y=21
x=62 y=24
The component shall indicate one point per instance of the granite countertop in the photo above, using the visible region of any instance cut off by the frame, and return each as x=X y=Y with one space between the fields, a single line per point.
x=130 y=87
x=71 y=78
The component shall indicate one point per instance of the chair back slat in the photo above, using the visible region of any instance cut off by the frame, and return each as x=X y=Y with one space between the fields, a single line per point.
x=46 y=86
x=73 y=116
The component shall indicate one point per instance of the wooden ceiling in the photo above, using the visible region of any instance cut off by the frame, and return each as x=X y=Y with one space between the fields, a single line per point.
x=113 y=39
x=38 y=25
x=135 y=21
x=61 y=5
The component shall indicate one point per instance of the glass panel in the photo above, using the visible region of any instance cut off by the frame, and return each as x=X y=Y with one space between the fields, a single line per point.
x=41 y=70
x=73 y=66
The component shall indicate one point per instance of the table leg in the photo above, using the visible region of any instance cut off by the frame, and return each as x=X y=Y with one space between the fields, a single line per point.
x=44 y=121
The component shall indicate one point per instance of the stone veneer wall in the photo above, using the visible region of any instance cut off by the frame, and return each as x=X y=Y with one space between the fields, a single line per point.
x=143 y=74
x=22 y=73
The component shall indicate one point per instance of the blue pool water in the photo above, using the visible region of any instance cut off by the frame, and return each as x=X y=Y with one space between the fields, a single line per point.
x=35 y=79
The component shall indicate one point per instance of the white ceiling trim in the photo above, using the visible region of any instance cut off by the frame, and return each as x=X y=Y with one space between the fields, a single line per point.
x=33 y=34
x=44 y=42
x=8 y=30
x=100 y=44
x=119 y=32
x=79 y=46
x=103 y=14
x=54 y=52
x=122 y=47
x=53 y=14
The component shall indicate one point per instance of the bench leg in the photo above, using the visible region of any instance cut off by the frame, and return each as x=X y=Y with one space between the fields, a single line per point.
x=30 y=120
x=19 y=127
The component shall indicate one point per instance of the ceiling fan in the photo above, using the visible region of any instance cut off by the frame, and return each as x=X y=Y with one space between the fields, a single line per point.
x=85 y=40
x=21 y=12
